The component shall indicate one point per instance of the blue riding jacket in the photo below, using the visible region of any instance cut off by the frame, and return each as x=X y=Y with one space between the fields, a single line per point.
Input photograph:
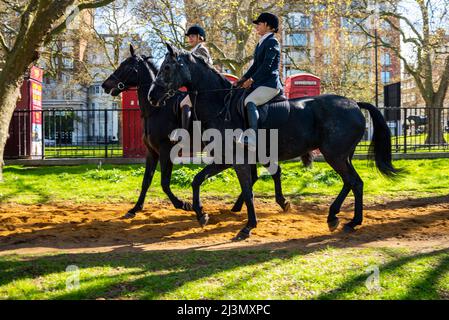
x=265 y=68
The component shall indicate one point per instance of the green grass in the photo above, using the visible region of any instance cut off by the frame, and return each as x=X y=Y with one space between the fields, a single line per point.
x=327 y=273
x=90 y=183
x=259 y=273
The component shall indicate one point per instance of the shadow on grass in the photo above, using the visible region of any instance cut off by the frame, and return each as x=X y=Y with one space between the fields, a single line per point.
x=22 y=187
x=151 y=275
x=425 y=287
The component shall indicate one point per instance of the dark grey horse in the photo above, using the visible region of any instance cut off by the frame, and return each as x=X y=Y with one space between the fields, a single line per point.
x=138 y=71
x=332 y=123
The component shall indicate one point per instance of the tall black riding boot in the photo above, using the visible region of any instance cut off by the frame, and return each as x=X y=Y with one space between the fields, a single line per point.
x=253 y=118
x=185 y=119
x=185 y=123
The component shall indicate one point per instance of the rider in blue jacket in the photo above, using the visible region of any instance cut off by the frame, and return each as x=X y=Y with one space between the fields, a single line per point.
x=263 y=75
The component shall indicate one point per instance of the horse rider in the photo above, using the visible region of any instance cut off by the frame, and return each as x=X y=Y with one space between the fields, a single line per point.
x=196 y=37
x=263 y=75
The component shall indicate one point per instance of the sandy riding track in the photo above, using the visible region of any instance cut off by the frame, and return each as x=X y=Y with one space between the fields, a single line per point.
x=422 y=223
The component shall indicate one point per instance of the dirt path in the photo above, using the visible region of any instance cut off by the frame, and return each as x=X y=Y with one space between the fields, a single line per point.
x=417 y=224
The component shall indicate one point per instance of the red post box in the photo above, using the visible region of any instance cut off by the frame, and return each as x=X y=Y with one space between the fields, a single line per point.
x=25 y=129
x=302 y=85
x=132 y=133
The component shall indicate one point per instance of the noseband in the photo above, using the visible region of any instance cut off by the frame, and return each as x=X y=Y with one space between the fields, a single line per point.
x=121 y=83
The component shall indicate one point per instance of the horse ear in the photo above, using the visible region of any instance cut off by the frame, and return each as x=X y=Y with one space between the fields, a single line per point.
x=131 y=49
x=170 y=49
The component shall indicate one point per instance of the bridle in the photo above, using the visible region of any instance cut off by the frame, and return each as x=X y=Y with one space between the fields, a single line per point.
x=169 y=94
x=121 y=83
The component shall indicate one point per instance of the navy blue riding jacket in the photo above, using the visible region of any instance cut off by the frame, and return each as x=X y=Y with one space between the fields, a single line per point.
x=265 y=68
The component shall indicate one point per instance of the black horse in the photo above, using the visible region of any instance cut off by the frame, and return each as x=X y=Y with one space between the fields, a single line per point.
x=138 y=71
x=332 y=123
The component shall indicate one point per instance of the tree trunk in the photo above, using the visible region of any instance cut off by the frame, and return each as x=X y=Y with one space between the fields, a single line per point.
x=435 y=131
x=8 y=98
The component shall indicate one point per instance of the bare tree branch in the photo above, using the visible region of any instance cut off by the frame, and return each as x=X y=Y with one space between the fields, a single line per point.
x=85 y=5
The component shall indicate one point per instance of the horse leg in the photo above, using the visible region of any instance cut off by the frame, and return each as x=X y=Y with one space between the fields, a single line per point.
x=166 y=172
x=352 y=181
x=332 y=219
x=208 y=171
x=280 y=199
x=150 y=167
x=240 y=201
x=357 y=189
x=244 y=176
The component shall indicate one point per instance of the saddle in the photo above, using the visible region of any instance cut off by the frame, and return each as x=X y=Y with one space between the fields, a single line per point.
x=271 y=114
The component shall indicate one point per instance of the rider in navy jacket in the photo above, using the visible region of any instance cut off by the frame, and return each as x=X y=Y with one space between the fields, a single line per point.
x=263 y=75
x=265 y=68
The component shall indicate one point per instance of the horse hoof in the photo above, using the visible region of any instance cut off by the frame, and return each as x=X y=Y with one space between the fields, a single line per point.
x=236 y=209
x=129 y=215
x=187 y=206
x=333 y=224
x=203 y=220
x=286 y=207
x=348 y=228
x=242 y=235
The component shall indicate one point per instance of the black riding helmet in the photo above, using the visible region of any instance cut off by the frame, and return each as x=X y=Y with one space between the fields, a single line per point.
x=271 y=19
x=196 y=29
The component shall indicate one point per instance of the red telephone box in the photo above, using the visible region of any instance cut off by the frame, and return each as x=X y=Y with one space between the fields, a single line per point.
x=25 y=129
x=302 y=85
x=132 y=132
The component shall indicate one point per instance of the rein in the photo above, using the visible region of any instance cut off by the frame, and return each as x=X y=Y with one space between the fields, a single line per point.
x=227 y=103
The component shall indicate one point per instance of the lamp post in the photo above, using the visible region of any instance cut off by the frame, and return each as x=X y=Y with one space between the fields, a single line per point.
x=377 y=66
x=374 y=8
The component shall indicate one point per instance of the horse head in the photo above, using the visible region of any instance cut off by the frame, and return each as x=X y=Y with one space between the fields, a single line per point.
x=126 y=75
x=173 y=74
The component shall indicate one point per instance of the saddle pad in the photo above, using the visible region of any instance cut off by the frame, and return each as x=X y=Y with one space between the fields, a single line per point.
x=271 y=114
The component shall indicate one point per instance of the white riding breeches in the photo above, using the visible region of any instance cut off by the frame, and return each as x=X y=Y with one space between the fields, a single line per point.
x=261 y=95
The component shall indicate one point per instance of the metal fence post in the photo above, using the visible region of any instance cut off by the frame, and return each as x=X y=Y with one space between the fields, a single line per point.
x=405 y=130
x=43 y=133
x=105 y=133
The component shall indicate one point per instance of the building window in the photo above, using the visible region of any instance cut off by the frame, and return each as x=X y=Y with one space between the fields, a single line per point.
x=385 y=77
x=386 y=59
x=297 y=39
x=297 y=20
x=296 y=57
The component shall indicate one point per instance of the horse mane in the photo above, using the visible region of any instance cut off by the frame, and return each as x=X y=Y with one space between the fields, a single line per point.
x=151 y=64
x=195 y=58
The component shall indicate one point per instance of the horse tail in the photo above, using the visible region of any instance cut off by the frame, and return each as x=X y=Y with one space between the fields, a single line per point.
x=380 y=148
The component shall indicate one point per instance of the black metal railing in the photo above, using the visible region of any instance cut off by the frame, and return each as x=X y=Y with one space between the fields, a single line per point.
x=106 y=133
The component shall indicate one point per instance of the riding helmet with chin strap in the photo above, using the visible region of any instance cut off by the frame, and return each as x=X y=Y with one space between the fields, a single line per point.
x=196 y=29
